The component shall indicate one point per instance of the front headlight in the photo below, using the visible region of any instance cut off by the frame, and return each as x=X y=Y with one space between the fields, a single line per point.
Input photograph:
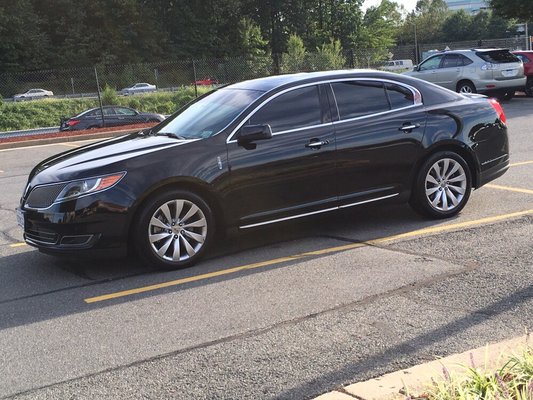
x=88 y=186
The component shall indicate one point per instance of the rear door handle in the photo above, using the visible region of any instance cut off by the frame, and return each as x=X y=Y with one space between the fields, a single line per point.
x=316 y=143
x=408 y=127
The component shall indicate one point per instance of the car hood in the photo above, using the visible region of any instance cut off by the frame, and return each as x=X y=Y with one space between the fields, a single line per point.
x=99 y=158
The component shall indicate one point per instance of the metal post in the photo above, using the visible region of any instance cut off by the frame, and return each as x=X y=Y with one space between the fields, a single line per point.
x=195 y=79
x=155 y=73
x=416 y=46
x=99 y=97
x=527 y=36
x=72 y=83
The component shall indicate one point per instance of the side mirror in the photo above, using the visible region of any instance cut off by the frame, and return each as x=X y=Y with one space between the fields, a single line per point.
x=251 y=133
x=415 y=68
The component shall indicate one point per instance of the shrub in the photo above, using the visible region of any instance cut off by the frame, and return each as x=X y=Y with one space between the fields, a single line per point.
x=109 y=96
x=45 y=113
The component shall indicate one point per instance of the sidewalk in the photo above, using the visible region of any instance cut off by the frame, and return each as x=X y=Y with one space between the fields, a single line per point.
x=415 y=379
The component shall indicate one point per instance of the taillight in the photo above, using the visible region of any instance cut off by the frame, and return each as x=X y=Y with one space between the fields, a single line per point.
x=499 y=110
x=73 y=122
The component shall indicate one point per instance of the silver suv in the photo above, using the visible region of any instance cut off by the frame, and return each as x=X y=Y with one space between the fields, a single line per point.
x=488 y=71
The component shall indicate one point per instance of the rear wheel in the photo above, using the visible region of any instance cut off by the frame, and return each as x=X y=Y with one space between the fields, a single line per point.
x=442 y=186
x=466 y=87
x=174 y=229
x=529 y=88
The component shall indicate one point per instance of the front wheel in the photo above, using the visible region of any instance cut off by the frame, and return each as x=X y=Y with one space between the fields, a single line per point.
x=174 y=229
x=442 y=186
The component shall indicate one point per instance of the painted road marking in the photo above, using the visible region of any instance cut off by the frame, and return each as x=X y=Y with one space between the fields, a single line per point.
x=419 y=232
x=70 y=144
x=521 y=163
x=509 y=188
x=17 y=244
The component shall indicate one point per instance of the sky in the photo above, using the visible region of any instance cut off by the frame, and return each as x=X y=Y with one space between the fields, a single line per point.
x=408 y=4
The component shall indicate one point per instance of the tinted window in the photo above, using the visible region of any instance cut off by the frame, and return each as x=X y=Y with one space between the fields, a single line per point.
x=451 y=61
x=295 y=109
x=356 y=99
x=124 y=111
x=497 y=56
x=431 y=63
x=522 y=57
x=464 y=60
x=399 y=96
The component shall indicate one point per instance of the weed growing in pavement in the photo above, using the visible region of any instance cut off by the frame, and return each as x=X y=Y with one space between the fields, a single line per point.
x=513 y=381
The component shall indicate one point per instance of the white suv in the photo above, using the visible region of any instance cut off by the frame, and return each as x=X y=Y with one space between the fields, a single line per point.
x=488 y=71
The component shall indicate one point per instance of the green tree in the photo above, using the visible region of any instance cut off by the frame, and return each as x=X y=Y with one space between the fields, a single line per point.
x=23 y=46
x=294 y=59
x=328 y=56
x=380 y=28
x=519 y=9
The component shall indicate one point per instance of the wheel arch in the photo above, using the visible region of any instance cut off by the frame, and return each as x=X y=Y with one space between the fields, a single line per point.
x=466 y=81
x=197 y=187
x=455 y=147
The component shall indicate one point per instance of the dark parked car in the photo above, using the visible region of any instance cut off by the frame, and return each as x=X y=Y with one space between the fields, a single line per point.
x=527 y=59
x=265 y=151
x=113 y=116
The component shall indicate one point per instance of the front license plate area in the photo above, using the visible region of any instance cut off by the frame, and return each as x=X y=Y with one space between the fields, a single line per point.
x=20 y=218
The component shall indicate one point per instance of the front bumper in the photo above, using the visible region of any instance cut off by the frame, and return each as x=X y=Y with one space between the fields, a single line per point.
x=86 y=225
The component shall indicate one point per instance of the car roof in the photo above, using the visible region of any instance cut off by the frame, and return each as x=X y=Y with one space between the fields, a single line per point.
x=272 y=82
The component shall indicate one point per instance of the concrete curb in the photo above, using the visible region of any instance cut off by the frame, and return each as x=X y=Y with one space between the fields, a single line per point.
x=387 y=387
x=62 y=139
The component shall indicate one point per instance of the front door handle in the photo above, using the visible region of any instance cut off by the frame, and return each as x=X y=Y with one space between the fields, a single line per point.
x=408 y=127
x=316 y=143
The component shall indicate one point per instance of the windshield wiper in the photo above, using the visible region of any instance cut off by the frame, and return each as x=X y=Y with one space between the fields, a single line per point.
x=171 y=135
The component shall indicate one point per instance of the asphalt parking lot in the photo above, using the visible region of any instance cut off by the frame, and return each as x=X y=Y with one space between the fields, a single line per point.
x=290 y=311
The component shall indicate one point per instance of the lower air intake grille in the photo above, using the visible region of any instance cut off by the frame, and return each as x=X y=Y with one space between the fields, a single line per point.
x=44 y=196
x=41 y=236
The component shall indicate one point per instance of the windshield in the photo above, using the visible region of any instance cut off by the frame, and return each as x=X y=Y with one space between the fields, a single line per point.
x=210 y=114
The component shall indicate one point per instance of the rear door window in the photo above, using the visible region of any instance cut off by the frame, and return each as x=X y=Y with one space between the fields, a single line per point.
x=360 y=98
x=399 y=96
x=497 y=56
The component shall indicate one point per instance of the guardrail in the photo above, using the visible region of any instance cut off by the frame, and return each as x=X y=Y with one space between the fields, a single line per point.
x=29 y=132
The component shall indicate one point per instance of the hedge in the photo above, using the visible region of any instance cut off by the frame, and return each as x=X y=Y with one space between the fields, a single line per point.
x=47 y=112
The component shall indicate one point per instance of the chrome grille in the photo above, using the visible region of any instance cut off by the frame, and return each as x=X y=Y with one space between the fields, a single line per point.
x=44 y=196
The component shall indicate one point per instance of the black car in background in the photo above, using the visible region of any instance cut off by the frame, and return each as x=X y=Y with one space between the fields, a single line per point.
x=113 y=116
x=265 y=151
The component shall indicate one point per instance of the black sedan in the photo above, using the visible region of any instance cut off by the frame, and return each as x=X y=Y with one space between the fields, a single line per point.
x=113 y=116
x=265 y=151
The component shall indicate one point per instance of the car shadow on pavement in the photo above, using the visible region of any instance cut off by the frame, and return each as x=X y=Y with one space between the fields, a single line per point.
x=36 y=287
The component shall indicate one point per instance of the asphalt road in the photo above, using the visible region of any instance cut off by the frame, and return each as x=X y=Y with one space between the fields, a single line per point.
x=290 y=311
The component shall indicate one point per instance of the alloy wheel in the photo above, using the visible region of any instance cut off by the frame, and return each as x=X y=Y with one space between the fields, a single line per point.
x=177 y=230
x=445 y=184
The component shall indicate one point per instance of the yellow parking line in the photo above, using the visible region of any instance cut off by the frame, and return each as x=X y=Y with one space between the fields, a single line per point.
x=17 y=245
x=70 y=144
x=509 y=188
x=335 y=249
x=521 y=163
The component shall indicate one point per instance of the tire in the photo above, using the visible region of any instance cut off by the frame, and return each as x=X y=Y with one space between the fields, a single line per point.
x=508 y=95
x=442 y=186
x=529 y=88
x=160 y=235
x=466 y=87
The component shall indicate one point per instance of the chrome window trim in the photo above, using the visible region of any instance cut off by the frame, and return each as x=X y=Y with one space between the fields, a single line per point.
x=416 y=103
x=273 y=221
